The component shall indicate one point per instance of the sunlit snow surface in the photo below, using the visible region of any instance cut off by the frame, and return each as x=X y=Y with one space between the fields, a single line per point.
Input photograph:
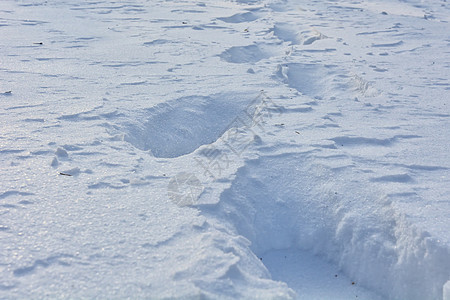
x=225 y=149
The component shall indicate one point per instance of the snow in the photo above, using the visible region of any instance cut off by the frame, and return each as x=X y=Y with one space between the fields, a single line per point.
x=255 y=149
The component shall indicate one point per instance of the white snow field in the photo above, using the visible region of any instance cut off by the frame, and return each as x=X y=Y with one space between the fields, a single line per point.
x=246 y=149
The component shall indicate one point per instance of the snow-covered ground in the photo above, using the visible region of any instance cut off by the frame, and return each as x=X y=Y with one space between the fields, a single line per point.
x=254 y=149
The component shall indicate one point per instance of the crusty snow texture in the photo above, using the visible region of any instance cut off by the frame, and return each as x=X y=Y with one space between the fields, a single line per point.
x=235 y=149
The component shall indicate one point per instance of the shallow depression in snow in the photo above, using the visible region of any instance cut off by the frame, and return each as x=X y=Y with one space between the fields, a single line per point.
x=314 y=80
x=180 y=126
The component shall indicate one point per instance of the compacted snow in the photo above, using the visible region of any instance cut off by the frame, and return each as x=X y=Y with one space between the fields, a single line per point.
x=254 y=149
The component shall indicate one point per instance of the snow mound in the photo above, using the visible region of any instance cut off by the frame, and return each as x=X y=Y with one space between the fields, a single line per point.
x=240 y=18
